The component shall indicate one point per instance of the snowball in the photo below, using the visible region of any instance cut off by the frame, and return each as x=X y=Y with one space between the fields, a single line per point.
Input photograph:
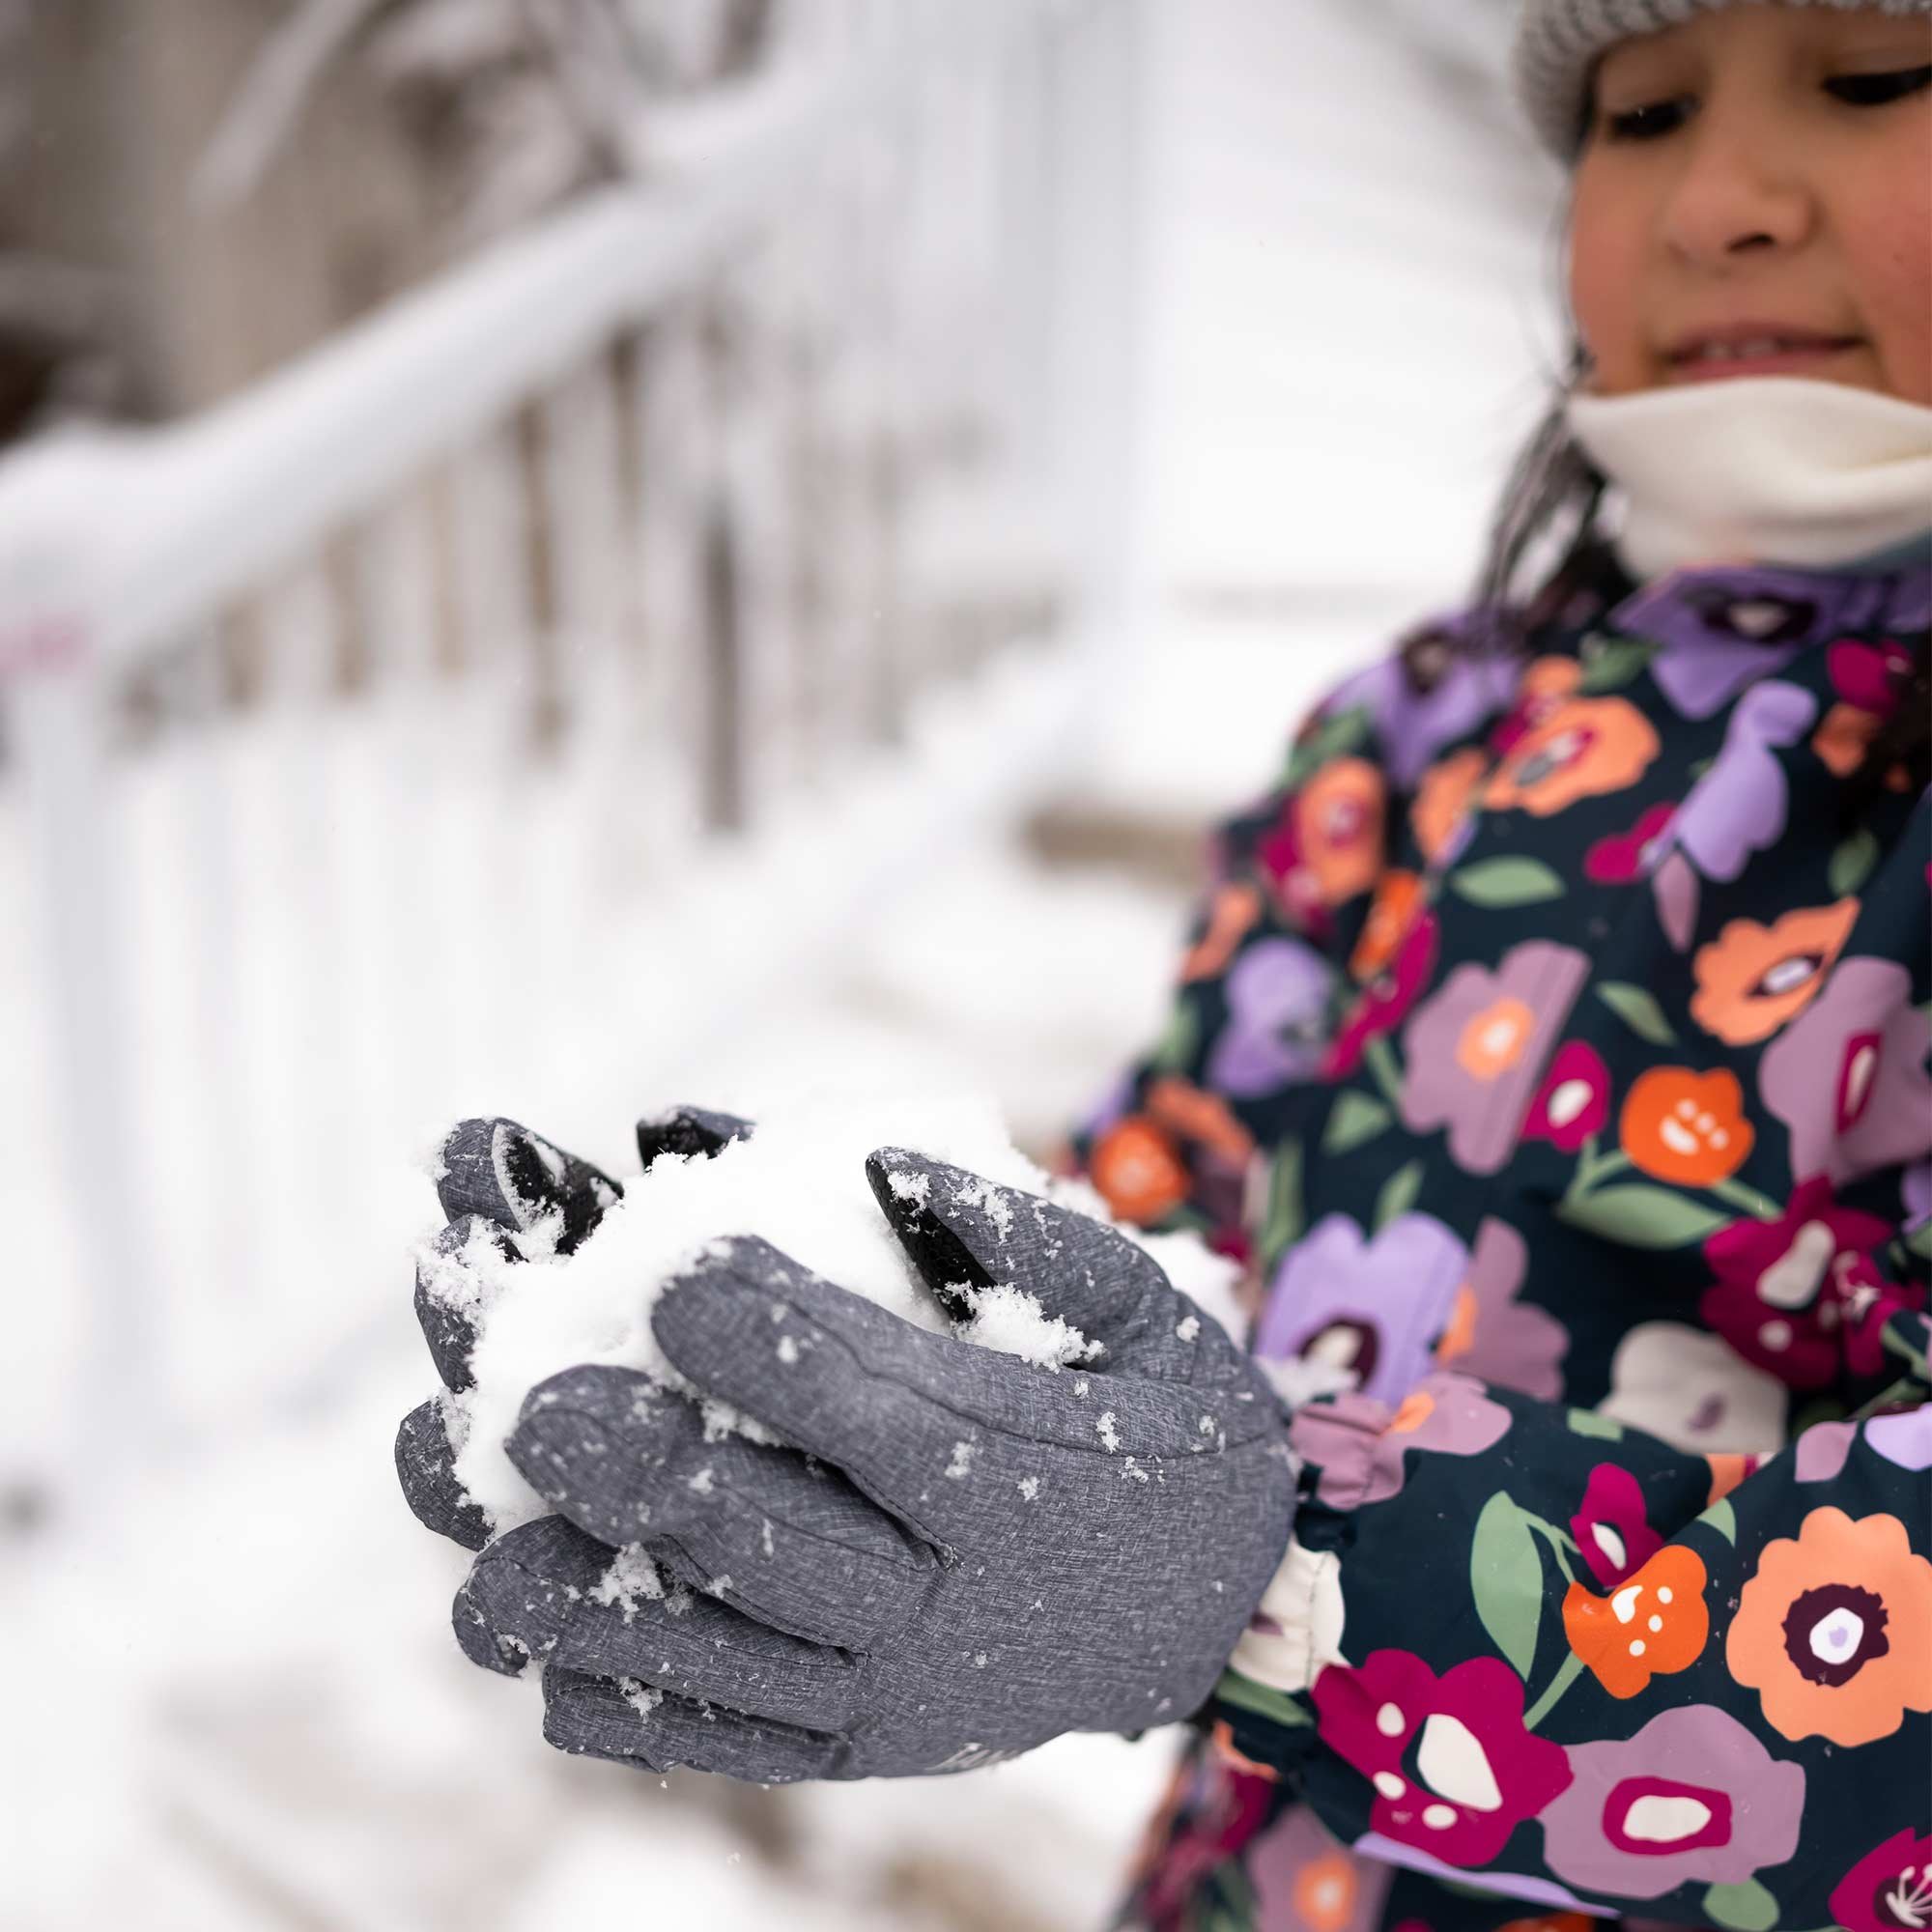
x=799 y=1184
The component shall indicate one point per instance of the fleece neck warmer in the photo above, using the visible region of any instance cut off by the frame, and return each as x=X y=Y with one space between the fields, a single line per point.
x=1768 y=469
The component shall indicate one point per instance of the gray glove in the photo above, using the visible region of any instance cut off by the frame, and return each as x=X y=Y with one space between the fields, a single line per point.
x=960 y=1556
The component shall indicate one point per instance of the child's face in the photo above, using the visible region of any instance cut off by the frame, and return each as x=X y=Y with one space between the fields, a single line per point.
x=1758 y=172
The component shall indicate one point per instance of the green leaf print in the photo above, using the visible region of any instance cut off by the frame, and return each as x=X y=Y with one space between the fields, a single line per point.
x=1852 y=861
x=1354 y=1120
x=1506 y=1578
x=1743 y=1908
x=1723 y=1518
x=1587 y=1422
x=1611 y=662
x=1176 y=1049
x=1399 y=1192
x=1285 y=1213
x=1641 y=1217
x=1637 y=1007
x=1264 y=1700
x=1495 y=884
x=1333 y=739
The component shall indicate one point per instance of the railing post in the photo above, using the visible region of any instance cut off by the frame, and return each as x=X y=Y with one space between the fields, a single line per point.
x=55 y=686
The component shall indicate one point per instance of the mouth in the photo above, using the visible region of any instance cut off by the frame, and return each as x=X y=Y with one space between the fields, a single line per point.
x=1753 y=350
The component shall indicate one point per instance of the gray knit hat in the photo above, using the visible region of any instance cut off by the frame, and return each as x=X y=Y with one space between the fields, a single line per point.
x=1558 y=41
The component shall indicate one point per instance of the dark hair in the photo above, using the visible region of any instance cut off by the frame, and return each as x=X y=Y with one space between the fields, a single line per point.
x=1550 y=516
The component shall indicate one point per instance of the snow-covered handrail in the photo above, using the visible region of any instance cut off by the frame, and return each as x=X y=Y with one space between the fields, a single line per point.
x=140 y=532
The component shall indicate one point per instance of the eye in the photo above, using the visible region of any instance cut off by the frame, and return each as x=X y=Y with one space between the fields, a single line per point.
x=1879 y=90
x=1648 y=122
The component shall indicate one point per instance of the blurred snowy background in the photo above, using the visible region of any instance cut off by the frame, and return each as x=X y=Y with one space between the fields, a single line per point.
x=563 y=555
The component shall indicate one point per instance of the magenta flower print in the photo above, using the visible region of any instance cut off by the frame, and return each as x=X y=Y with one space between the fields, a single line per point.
x=1869 y=675
x=1453 y=1768
x=1491 y=1335
x=1476 y=1048
x=1373 y=1307
x=1627 y=856
x=1692 y=1797
x=1277 y=1004
x=1359 y=1443
x=1385 y=1001
x=1847 y=1076
x=1799 y=1295
x=1611 y=1527
x=1574 y=1102
x=1889 y=1889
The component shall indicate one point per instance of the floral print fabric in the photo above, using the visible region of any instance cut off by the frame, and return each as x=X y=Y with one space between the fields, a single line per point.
x=1552 y=1050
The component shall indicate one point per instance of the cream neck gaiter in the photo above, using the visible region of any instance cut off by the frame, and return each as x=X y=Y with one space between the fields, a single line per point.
x=1770 y=470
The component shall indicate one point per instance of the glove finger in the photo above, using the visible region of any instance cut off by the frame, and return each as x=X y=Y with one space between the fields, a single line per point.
x=688 y=1131
x=426 y=1468
x=546 y=1591
x=502 y=1171
x=930 y=1427
x=791 y=1543
x=963 y=1231
x=633 y=1722
x=451 y=1294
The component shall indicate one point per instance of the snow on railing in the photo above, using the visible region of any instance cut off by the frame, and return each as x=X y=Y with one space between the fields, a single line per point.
x=368 y=742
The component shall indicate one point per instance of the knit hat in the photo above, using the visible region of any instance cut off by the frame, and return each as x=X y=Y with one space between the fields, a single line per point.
x=1557 y=43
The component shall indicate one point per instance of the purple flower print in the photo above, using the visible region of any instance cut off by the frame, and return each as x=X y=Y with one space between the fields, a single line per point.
x=1914 y=1188
x=1359 y=1443
x=1295 y=1865
x=1821 y=1451
x=1491 y=1335
x=1692 y=1797
x=1848 y=1075
x=1373 y=1307
x=1277 y=1004
x=1720 y=631
x=1476 y=1049
x=1502 y=1885
x=1904 y=1439
x=1675 y=888
x=1454 y=1770
x=1424 y=694
x=1739 y=803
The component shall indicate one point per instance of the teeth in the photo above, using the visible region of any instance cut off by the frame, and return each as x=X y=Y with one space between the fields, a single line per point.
x=1745 y=352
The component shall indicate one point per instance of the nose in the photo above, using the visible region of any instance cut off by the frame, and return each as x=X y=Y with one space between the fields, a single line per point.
x=1742 y=192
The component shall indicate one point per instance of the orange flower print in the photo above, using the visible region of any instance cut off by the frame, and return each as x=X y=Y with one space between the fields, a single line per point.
x=1326 y=1890
x=1139 y=1173
x=1686 y=1126
x=1236 y=908
x=1338 y=823
x=1841 y=741
x=1186 y=1110
x=1494 y=1037
x=1751 y=978
x=1442 y=798
x=1652 y=1625
x=1833 y=1631
x=1391 y=914
x=1584 y=749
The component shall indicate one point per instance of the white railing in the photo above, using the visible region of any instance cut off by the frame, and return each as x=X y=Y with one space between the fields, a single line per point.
x=382 y=744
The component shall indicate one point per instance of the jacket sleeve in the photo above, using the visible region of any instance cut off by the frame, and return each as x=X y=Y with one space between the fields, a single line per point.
x=1522 y=1646
x=1296 y=882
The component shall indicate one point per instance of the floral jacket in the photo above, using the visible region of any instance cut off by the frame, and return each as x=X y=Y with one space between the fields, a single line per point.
x=1552 y=1045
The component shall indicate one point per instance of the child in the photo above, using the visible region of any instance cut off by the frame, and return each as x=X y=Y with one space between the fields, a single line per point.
x=1553 y=1043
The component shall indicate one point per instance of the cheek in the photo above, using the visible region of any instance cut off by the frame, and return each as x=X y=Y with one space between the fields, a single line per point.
x=1606 y=283
x=1888 y=237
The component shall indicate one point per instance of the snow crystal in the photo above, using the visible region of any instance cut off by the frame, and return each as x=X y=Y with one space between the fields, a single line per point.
x=641 y=1697
x=961 y=1465
x=1110 y=1436
x=799 y=1185
x=631 y=1577
x=1012 y=1320
x=701 y=1482
x=1189 y=1327
x=787 y=1349
x=1029 y=1486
